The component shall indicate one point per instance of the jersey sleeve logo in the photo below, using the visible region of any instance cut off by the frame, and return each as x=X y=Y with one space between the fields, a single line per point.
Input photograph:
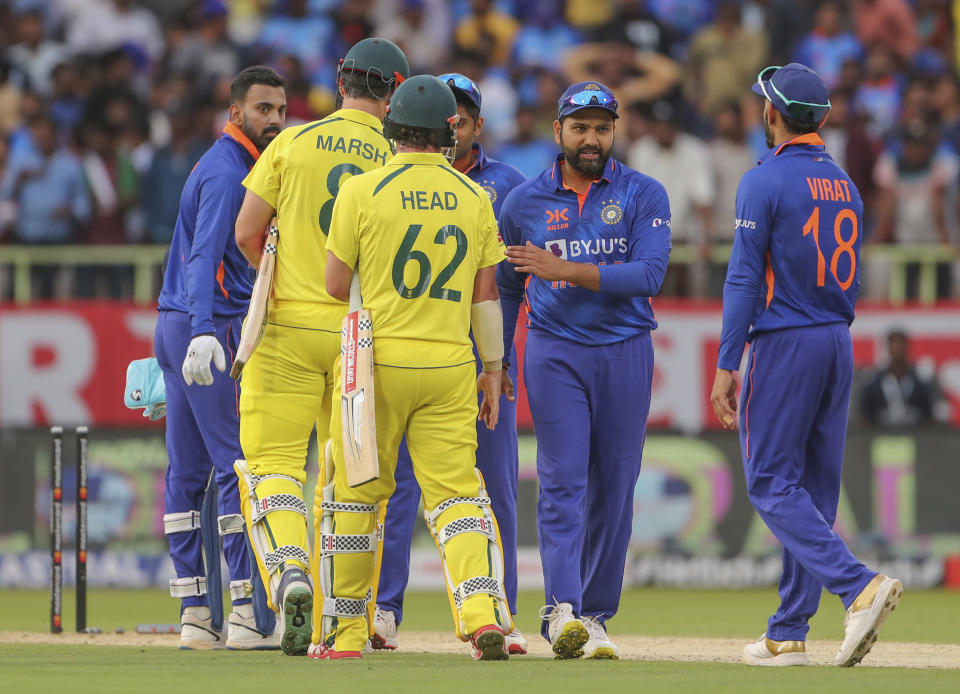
x=611 y=212
x=660 y=222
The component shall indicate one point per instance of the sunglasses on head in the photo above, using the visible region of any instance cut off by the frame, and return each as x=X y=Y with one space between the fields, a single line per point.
x=801 y=110
x=593 y=97
x=464 y=84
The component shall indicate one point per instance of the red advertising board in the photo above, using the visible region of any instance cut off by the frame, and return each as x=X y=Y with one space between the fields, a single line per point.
x=66 y=363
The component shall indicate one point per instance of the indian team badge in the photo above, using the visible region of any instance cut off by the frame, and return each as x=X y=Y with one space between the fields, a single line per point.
x=611 y=213
x=490 y=190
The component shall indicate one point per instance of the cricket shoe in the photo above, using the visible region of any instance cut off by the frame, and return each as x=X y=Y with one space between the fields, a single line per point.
x=772 y=653
x=516 y=643
x=865 y=616
x=567 y=633
x=196 y=632
x=384 y=631
x=598 y=646
x=297 y=605
x=321 y=651
x=243 y=635
x=489 y=643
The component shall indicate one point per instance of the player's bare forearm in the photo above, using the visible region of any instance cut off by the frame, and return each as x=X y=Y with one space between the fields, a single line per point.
x=547 y=266
x=338 y=276
x=250 y=230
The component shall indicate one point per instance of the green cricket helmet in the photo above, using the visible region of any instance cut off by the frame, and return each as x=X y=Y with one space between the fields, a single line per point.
x=375 y=57
x=426 y=103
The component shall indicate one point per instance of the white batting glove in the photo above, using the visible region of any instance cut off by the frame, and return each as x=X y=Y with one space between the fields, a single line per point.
x=196 y=365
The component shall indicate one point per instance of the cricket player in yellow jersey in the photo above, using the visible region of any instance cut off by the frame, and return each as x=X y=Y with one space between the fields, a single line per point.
x=287 y=381
x=423 y=240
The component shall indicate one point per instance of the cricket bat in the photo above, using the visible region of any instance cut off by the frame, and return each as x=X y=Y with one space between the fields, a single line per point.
x=358 y=421
x=259 y=297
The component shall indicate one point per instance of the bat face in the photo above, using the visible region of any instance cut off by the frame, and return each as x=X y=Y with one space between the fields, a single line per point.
x=358 y=423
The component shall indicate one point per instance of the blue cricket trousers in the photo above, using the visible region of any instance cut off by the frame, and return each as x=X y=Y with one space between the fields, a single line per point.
x=589 y=405
x=793 y=427
x=497 y=461
x=203 y=432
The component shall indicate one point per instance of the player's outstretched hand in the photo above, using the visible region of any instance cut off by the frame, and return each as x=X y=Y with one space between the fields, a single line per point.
x=488 y=383
x=537 y=261
x=724 y=398
x=196 y=365
x=506 y=387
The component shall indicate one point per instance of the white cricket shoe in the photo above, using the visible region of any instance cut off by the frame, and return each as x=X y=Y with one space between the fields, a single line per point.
x=567 y=633
x=242 y=633
x=766 y=651
x=516 y=642
x=865 y=616
x=598 y=646
x=384 y=631
x=196 y=632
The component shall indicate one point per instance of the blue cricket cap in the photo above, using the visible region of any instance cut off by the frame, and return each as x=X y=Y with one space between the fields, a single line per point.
x=463 y=86
x=587 y=95
x=795 y=91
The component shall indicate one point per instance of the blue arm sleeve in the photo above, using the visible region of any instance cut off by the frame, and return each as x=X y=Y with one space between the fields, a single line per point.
x=220 y=197
x=742 y=291
x=649 y=249
x=510 y=283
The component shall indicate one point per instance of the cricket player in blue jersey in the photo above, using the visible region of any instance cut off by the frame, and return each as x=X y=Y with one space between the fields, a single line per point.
x=496 y=450
x=206 y=289
x=590 y=238
x=791 y=287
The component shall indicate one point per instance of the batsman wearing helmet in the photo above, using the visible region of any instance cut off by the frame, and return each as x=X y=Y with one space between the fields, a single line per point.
x=287 y=381
x=423 y=240
x=496 y=450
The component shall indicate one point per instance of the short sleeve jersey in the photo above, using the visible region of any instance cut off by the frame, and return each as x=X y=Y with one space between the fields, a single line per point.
x=417 y=232
x=300 y=175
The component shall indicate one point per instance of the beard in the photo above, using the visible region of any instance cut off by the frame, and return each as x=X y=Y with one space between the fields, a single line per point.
x=588 y=167
x=767 y=133
x=260 y=139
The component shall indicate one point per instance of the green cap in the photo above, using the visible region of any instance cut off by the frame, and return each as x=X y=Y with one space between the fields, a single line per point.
x=377 y=57
x=423 y=101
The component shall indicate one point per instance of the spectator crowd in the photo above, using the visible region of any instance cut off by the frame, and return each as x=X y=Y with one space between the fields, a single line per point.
x=106 y=105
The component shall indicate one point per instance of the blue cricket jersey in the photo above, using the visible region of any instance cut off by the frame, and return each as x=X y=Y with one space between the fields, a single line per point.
x=622 y=224
x=796 y=254
x=495 y=177
x=206 y=274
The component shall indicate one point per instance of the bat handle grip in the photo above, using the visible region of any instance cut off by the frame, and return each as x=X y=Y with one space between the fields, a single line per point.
x=356 y=301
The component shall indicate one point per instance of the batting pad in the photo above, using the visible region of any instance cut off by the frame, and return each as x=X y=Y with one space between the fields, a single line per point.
x=276 y=519
x=466 y=533
x=346 y=562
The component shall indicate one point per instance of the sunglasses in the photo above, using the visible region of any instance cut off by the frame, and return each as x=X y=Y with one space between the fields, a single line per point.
x=464 y=84
x=801 y=110
x=593 y=97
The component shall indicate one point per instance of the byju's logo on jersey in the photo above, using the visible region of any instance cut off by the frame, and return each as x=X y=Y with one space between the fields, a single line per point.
x=746 y=224
x=576 y=247
x=558 y=247
x=611 y=213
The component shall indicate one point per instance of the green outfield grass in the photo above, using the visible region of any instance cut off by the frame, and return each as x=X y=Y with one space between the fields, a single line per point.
x=164 y=670
x=931 y=616
x=924 y=616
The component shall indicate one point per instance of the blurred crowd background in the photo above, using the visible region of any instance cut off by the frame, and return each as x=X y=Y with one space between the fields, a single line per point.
x=106 y=105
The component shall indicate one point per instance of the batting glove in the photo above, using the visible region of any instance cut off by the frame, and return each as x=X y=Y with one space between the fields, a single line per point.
x=196 y=365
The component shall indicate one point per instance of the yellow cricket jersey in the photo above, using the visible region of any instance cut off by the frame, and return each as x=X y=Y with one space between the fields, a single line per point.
x=299 y=175
x=417 y=231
